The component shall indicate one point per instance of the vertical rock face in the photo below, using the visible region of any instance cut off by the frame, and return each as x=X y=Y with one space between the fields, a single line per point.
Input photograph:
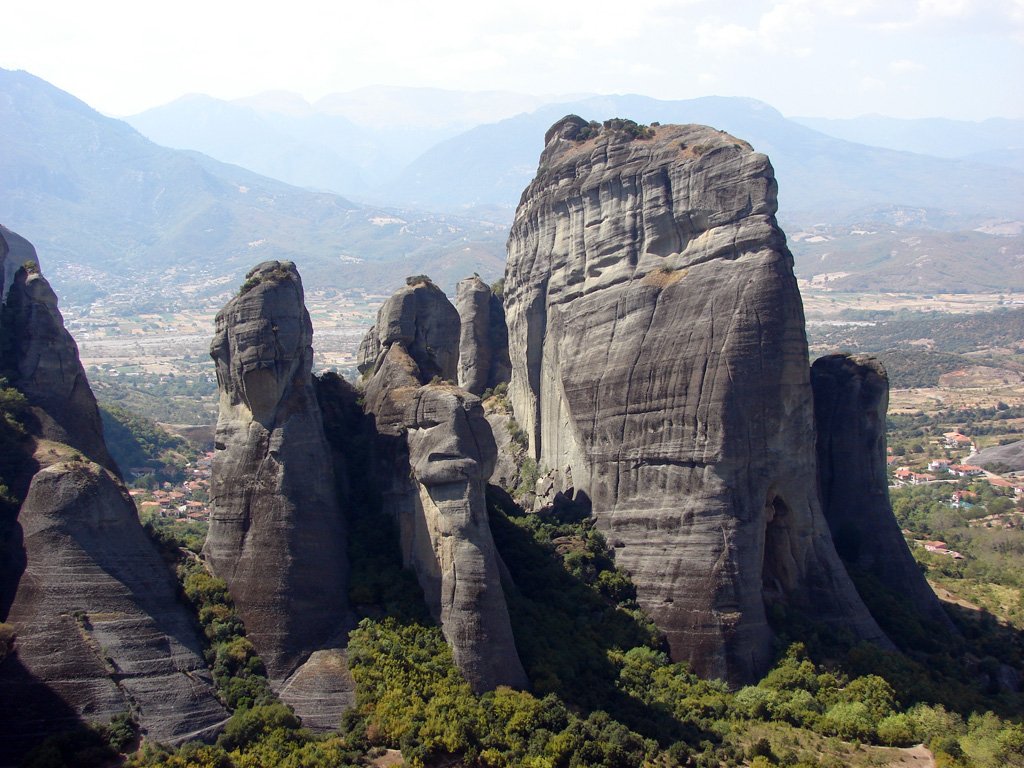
x=439 y=452
x=658 y=357
x=100 y=630
x=421 y=319
x=277 y=536
x=483 y=341
x=41 y=359
x=851 y=396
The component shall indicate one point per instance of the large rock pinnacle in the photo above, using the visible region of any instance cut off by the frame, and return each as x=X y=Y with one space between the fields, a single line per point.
x=40 y=358
x=100 y=630
x=483 y=340
x=851 y=397
x=277 y=535
x=438 y=453
x=659 y=359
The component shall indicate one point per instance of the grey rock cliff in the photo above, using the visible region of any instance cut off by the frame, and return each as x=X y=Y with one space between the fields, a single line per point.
x=100 y=630
x=277 y=535
x=40 y=357
x=438 y=452
x=657 y=342
x=483 y=340
x=420 y=318
x=851 y=397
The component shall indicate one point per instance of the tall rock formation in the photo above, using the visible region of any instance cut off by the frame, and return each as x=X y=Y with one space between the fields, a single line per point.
x=421 y=319
x=437 y=453
x=483 y=339
x=277 y=535
x=40 y=358
x=851 y=397
x=100 y=630
x=659 y=359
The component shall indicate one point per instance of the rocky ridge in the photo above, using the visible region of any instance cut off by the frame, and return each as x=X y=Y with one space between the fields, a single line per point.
x=273 y=492
x=659 y=359
x=99 y=629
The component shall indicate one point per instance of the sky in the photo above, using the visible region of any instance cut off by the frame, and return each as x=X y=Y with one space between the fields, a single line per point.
x=961 y=59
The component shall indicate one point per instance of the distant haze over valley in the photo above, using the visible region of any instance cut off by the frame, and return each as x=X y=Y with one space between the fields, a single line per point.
x=365 y=187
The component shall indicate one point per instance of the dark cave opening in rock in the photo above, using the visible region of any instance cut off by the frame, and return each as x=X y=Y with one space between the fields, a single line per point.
x=778 y=567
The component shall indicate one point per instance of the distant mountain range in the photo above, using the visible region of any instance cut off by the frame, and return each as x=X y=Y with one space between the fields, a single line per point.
x=111 y=212
x=822 y=178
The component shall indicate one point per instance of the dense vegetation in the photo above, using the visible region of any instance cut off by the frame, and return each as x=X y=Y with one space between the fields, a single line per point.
x=167 y=398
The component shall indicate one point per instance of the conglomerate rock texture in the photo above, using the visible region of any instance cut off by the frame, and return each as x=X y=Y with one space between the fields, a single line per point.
x=437 y=453
x=277 y=535
x=851 y=397
x=40 y=358
x=658 y=354
x=483 y=340
x=100 y=631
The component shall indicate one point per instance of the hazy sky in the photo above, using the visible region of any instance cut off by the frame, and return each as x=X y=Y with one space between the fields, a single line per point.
x=831 y=58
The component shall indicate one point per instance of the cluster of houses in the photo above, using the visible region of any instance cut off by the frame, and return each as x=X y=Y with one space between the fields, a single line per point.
x=184 y=501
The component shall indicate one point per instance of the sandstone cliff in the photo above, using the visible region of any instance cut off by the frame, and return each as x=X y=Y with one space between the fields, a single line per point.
x=851 y=397
x=437 y=452
x=658 y=357
x=277 y=535
x=100 y=630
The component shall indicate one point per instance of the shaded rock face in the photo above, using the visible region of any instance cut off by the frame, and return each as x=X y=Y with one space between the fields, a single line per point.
x=851 y=397
x=437 y=452
x=425 y=323
x=40 y=358
x=658 y=357
x=100 y=630
x=277 y=535
x=99 y=627
x=483 y=340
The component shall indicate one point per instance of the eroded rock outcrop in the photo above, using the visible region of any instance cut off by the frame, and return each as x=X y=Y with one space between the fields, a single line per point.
x=483 y=340
x=40 y=358
x=421 y=319
x=277 y=535
x=657 y=343
x=100 y=631
x=851 y=397
x=437 y=452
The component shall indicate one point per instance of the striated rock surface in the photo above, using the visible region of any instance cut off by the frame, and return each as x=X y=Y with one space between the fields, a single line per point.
x=658 y=356
x=100 y=630
x=277 y=535
x=420 y=318
x=851 y=397
x=437 y=452
x=483 y=340
x=40 y=358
